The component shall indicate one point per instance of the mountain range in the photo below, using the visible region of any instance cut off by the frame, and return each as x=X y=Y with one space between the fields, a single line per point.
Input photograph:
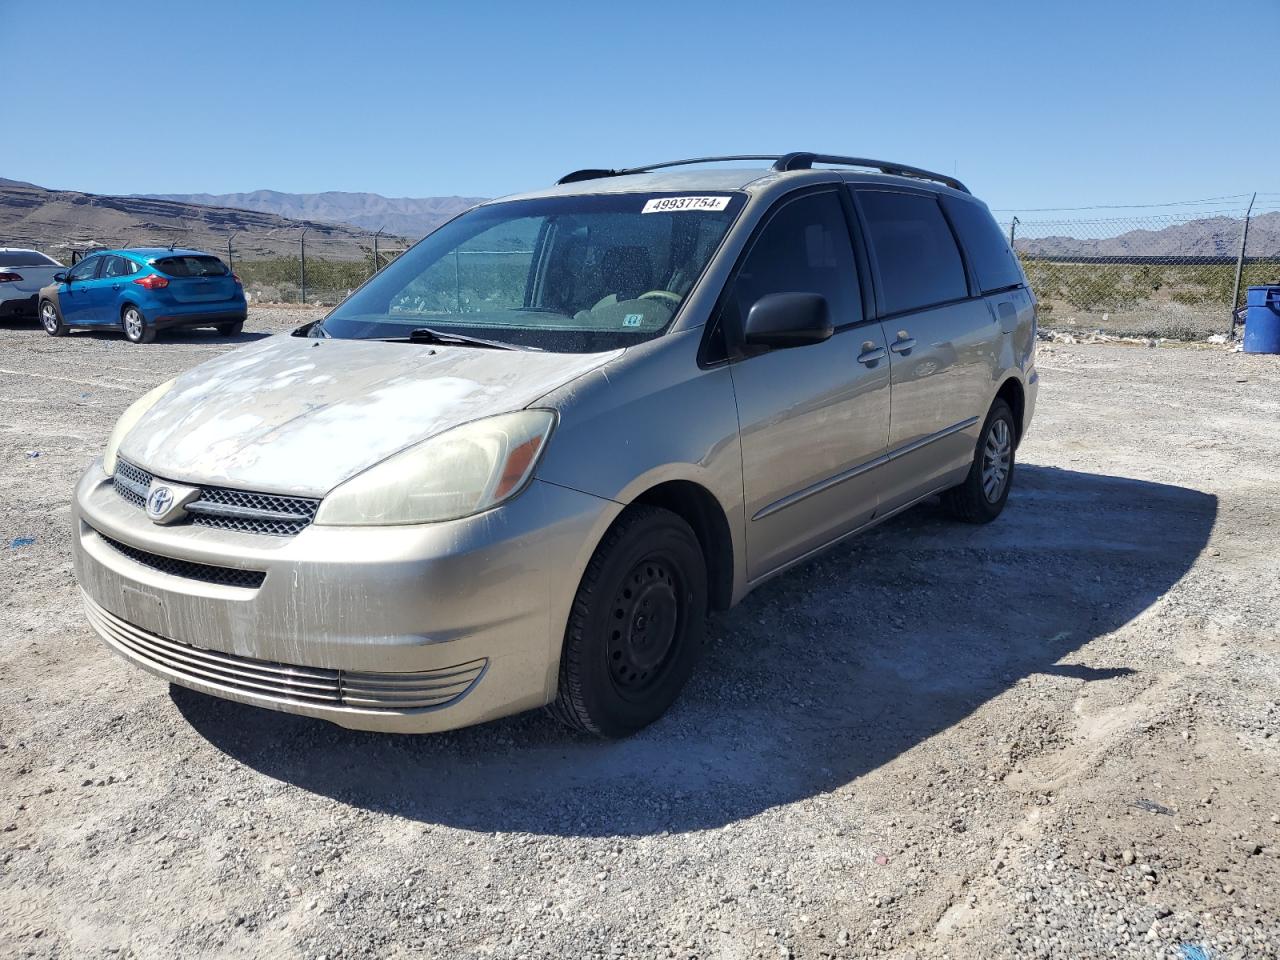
x=412 y=217
x=59 y=221
x=1208 y=237
x=268 y=223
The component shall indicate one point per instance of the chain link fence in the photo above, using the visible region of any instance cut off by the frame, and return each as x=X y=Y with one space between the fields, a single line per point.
x=1176 y=275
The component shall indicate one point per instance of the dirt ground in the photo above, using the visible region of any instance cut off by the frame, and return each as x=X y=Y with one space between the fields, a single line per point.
x=1054 y=736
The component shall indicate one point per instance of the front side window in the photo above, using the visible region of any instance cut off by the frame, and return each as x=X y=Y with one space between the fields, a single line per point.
x=916 y=254
x=566 y=274
x=86 y=269
x=804 y=248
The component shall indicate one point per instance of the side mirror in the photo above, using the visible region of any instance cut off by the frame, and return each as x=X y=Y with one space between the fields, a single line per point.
x=788 y=320
x=60 y=277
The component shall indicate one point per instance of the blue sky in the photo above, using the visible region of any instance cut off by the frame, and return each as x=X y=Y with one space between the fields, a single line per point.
x=1033 y=104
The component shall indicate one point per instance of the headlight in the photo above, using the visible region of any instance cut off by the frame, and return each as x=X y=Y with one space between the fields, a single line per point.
x=128 y=420
x=454 y=474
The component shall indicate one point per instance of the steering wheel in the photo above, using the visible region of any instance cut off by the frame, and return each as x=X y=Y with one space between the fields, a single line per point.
x=660 y=295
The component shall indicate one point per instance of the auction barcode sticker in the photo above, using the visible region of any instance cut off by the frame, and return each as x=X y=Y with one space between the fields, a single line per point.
x=675 y=204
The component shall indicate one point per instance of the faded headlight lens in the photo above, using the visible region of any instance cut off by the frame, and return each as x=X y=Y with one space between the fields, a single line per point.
x=128 y=420
x=454 y=474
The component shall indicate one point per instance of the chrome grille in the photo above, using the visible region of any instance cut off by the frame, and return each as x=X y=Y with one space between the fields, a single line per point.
x=269 y=680
x=224 y=507
x=252 y=512
x=226 y=576
x=132 y=483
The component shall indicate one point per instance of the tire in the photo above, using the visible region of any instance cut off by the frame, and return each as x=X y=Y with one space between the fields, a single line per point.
x=136 y=328
x=982 y=496
x=51 y=319
x=635 y=630
x=230 y=329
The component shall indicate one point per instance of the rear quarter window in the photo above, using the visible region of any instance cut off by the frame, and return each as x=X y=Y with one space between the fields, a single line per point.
x=994 y=263
x=191 y=266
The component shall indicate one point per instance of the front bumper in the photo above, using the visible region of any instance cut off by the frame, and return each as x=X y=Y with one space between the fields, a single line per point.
x=406 y=629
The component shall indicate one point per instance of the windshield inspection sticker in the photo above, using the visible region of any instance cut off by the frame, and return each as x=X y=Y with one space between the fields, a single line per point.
x=633 y=319
x=676 y=204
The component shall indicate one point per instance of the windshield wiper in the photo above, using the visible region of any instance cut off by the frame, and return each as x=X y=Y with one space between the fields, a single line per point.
x=427 y=335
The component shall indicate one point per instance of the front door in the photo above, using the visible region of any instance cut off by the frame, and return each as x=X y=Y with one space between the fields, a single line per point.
x=813 y=419
x=75 y=296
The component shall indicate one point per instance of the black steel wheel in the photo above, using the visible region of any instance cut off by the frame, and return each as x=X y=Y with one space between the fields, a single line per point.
x=636 y=628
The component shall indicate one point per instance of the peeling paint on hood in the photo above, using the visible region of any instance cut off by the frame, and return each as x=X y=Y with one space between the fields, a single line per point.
x=294 y=415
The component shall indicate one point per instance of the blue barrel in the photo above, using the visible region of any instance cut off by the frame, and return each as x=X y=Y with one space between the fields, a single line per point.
x=1262 y=320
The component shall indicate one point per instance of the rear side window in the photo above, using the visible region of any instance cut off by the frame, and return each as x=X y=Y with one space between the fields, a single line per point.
x=25 y=258
x=191 y=266
x=804 y=248
x=118 y=267
x=994 y=263
x=916 y=253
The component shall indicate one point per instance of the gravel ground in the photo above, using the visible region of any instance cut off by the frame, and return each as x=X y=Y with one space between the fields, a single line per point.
x=1054 y=736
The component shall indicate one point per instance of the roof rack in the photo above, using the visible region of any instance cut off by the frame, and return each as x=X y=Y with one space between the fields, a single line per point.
x=781 y=163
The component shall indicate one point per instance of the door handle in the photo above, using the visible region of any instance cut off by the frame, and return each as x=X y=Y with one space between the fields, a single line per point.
x=871 y=352
x=904 y=343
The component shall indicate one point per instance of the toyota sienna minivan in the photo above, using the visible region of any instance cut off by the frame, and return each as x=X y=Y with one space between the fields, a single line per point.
x=518 y=466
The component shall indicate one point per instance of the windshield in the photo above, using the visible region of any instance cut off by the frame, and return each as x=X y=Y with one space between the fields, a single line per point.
x=567 y=274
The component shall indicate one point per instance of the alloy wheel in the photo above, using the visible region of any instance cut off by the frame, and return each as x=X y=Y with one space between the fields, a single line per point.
x=133 y=323
x=996 y=457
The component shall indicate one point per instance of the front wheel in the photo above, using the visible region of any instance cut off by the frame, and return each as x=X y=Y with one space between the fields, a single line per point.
x=51 y=319
x=636 y=628
x=982 y=496
x=136 y=328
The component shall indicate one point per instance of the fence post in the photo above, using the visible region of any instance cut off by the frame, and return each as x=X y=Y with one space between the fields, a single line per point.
x=376 y=265
x=1235 y=290
x=230 y=262
x=302 y=254
x=1013 y=227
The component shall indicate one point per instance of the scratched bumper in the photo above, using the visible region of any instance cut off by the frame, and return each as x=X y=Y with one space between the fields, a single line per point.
x=482 y=600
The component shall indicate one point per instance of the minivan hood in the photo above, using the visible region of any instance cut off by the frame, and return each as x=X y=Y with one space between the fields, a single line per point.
x=297 y=415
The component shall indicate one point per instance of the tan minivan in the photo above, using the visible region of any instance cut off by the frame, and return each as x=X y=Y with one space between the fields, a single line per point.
x=519 y=465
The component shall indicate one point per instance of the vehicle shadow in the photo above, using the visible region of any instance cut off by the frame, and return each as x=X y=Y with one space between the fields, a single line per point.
x=815 y=680
x=178 y=336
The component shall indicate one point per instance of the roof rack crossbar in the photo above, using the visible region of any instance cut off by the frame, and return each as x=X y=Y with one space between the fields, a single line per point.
x=788 y=161
x=805 y=161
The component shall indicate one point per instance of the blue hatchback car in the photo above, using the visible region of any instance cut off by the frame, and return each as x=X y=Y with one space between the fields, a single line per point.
x=144 y=290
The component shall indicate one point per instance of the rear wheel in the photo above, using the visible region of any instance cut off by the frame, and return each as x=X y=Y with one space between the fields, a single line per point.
x=982 y=496
x=51 y=319
x=136 y=328
x=636 y=627
x=230 y=329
